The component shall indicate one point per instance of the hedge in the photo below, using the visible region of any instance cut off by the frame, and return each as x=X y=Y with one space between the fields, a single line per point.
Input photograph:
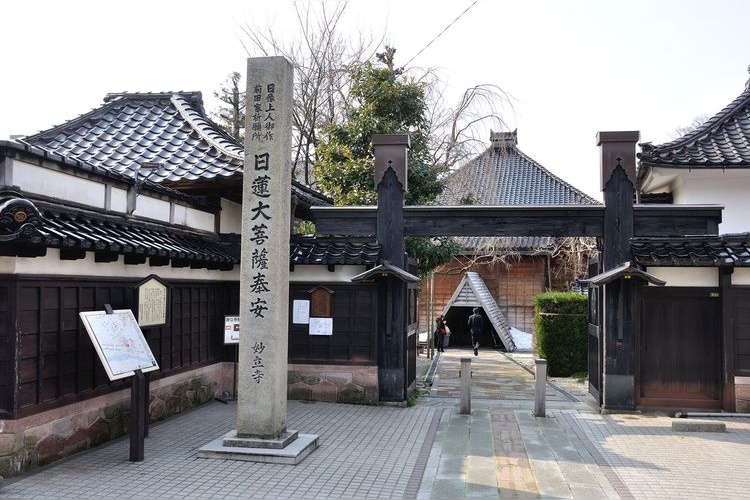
x=560 y=323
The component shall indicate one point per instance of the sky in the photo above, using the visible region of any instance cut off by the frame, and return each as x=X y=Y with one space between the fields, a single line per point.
x=573 y=68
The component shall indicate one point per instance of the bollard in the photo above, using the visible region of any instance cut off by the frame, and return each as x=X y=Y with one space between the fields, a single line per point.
x=540 y=387
x=465 y=374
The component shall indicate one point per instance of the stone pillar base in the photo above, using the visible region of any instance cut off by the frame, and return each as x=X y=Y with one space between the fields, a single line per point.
x=230 y=447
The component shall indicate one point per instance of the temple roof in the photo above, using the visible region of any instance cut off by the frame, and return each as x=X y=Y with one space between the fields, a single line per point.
x=504 y=175
x=722 y=141
x=169 y=131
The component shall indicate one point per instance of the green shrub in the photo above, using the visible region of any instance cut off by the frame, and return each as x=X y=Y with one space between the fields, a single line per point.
x=560 y=324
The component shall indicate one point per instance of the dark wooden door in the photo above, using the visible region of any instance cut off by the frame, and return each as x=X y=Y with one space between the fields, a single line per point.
x=679 y=348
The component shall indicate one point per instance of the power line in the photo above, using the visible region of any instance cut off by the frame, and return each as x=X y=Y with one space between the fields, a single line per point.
x=441 y=33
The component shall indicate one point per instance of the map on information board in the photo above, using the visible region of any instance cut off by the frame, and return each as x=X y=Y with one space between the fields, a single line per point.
x=119 y=342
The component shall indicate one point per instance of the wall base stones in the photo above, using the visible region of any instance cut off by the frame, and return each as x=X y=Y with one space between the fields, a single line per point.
x=742 y=394
x=333 y=383
x=39 y=439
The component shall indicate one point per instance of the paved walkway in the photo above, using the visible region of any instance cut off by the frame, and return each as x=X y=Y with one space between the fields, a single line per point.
x=427 y=451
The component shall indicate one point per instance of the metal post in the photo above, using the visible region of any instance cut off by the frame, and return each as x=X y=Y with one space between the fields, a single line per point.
x=137 y=416
x=540 y=387
x=465 y=374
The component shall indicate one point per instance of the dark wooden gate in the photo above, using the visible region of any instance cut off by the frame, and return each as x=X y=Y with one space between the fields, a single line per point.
x=595 y=348
x=594 y=342
x=680 y=348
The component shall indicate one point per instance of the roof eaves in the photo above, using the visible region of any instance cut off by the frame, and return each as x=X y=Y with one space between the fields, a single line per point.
x=650 y=153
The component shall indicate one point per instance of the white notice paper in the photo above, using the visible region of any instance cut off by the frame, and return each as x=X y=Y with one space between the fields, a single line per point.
x=231 y=329
x=321 y=326
x=301 y=312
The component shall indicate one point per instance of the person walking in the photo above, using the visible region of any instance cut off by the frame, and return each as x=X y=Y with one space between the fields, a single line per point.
x=440 y=333
x=476 y=325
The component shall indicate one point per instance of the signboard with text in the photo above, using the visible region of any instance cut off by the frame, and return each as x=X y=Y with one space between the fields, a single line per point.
x=119 y=342
x=152 y=302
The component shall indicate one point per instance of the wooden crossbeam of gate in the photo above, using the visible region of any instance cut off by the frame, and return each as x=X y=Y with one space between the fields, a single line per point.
x=560 y=220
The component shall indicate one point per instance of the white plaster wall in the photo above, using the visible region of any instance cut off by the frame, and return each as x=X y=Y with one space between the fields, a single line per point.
x=741 y=276
x=199 y=219
x=119 y=201
x=180 y=214
x=318 y=274
x=686 y=276
x=717 y=187
x=151 y=208
x=231 y=217
x=51 y=264
x=46 y=182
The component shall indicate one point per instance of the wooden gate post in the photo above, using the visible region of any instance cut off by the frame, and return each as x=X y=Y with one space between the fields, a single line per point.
x=390 y=182
x=618 y=186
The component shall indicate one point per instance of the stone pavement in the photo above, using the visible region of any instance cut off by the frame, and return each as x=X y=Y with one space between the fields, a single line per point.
x=427 y=451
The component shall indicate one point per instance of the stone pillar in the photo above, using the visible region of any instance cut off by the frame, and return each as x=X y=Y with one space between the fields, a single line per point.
x=261 y=433
x=465 y=400
x=540 y=387
x=618 y=162
x=264 y=272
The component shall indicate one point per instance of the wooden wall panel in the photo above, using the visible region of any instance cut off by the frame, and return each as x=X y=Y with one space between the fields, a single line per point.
x=7 y=349
x=354 y=325
x=741 y=309
x=55 y=359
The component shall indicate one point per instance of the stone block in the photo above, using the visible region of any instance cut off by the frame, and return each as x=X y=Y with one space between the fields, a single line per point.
x=187 y=400
x=365 y=378
x=311 y=380
x=292 y=377
x=157 y=411
x=172 y=406
x=742 y=396
x=692 y=425
x=194 y=384
x=7 y=444
x=99 y=432
x=299 y=392
x=371 y=396
x=204 y=394
x=63 y=428
x=113 y=411
x=351 y=393
x=325 y=391
x=339 y=378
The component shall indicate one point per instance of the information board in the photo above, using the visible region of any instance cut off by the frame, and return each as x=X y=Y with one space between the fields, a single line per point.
x=152 y=303
x=231 y=329
x=321 y=326
x=119 y=342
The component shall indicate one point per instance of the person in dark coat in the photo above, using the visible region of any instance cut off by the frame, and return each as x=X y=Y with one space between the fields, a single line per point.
x=440 y=333
x=476 y=325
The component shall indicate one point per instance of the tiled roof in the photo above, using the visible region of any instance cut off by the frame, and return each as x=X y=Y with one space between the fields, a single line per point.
x=27 y=228
x=308 y=250
x=727 y=249
x=504 y=175
x=89 y=231
x=522 y=244
x=170 y=129
x=723 y=140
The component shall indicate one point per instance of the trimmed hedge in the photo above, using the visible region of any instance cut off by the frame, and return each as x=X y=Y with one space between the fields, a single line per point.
x=560 y=324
